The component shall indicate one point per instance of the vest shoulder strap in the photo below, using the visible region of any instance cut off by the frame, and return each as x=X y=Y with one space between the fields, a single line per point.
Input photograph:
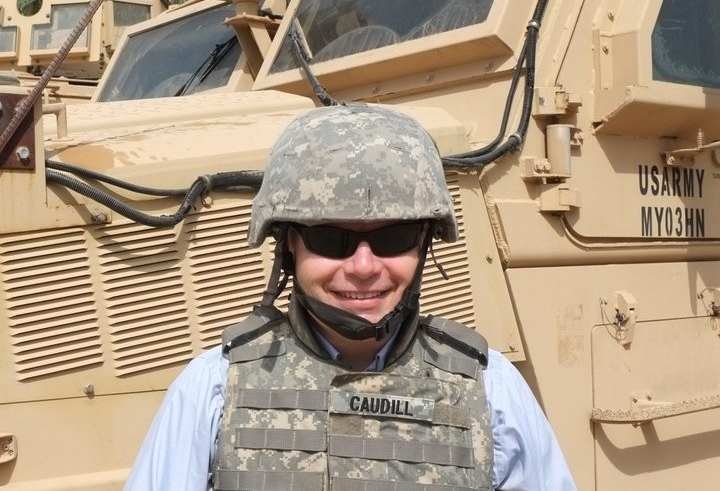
x=261 y=320
x=457 y=336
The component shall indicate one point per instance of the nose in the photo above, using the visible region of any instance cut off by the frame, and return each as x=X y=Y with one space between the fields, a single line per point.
x=363 y=263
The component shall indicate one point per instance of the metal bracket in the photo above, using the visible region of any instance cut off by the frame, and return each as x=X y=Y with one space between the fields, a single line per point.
x=8 y=447
x=539 y=169
x=255 y=34
x=625 y=316
x=554 y=101
x=559 y=198
x=19 y=151
x=685 y=157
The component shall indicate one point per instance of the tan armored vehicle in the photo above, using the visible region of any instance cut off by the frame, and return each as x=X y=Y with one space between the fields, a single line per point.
x=580 y=147
x=33 y=31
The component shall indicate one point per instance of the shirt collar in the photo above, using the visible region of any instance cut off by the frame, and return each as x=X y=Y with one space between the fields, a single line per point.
x=378 y=362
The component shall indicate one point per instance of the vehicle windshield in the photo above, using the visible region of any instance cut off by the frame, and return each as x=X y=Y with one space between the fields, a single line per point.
x=337 y=28
x=686 y=43
x=158 y=63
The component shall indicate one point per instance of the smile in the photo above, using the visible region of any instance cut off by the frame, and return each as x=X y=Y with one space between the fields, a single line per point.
x=360 y=295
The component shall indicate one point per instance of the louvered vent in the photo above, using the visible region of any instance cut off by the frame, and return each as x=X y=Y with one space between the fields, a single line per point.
x=227 y=276
x=50 y=304
x=138 y=299
x=171 y=293
x=450 y=298
x=142 y=274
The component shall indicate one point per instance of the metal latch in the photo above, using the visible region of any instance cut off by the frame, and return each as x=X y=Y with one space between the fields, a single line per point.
x=8 y=447
x=714 y=306
x=625 y=316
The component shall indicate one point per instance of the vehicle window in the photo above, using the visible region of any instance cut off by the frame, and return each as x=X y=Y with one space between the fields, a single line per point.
x=63 y=19
x=337 y=28
x=8 y=34
x=127 y=14
x=158 y=63
x=686 y=43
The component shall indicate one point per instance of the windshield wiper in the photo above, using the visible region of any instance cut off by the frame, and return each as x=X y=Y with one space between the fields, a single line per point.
x=303 y=59
x=209 y=64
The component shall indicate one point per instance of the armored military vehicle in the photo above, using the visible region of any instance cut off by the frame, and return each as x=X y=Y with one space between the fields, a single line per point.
x=33 y=31
x=580 y=139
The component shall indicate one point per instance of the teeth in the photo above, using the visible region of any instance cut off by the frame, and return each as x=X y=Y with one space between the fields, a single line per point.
x=360 y=295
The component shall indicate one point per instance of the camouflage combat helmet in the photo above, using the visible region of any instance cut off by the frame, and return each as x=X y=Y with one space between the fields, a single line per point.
x=353 y=163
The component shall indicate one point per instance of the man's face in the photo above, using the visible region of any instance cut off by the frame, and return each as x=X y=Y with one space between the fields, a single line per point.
x=364 y=283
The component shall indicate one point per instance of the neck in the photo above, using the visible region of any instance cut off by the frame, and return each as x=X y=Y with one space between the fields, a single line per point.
x=360 y=352
x=354 y=354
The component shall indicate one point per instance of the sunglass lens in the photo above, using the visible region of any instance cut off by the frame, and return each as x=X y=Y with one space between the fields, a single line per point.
x=395 y=239
x=330 y=241
x=340 y=243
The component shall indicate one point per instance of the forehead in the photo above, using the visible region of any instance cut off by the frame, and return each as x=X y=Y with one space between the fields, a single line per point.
x=361 y=226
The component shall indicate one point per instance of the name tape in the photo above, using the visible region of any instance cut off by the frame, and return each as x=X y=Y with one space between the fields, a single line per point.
x=384 y=405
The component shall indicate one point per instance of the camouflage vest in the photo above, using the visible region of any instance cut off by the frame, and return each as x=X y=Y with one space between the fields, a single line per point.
x=295 y=422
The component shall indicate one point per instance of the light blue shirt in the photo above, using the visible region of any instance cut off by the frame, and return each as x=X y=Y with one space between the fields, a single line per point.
x=179 y=448
x=378 y=362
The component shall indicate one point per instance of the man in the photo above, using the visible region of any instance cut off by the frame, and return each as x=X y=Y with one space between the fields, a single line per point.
x=351 y=389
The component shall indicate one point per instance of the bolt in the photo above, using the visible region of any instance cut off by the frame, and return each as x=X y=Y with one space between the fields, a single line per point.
x=89 y=390
x=428 y=78
x=488 y=257
x=99 y=216
x=611 y=15
x=23 y=154
x=207 y=201
x=605 y=48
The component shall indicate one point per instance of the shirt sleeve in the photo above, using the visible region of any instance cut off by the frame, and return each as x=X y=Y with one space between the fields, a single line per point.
x=526 y=453
x=179 y=448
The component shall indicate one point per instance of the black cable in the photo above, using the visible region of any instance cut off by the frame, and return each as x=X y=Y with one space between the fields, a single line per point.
x=97 y=176
x=203 y=184
x=494 y=150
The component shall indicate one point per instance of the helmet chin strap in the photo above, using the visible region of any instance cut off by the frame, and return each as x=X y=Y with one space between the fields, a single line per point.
x=352 y=326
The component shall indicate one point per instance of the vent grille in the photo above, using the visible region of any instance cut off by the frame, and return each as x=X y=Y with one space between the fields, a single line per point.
x=137 y=299
x=50 y=304
x=446 y=298
x=227 y=276
x=141 y=273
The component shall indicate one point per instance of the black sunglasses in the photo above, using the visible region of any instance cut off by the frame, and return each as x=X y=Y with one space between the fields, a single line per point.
x=340 y=243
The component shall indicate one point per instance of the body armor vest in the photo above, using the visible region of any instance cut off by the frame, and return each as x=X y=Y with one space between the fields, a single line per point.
x=296 y=422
